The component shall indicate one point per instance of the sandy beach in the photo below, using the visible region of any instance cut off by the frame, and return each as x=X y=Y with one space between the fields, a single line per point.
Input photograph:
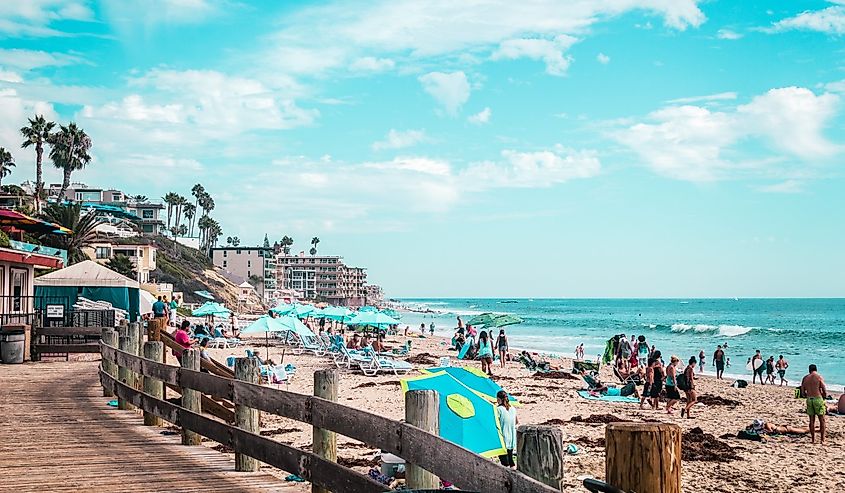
x=714 y=459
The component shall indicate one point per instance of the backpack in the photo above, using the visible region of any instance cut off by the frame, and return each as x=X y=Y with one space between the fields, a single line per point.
x=681 y=381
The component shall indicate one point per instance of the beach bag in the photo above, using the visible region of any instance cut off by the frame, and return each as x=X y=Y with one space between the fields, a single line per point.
x=749 y=435
x=681 y=381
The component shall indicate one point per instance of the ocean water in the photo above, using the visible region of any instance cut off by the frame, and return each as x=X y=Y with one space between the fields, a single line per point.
x=804 y=331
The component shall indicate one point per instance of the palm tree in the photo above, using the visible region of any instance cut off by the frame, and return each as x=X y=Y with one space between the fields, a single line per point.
x=206 y=203
x=183 y=230
x=314 y=242
x=37 y=133
x=139 y=199
x=190 y=212
x=180 y=201
x=203 y=225
x=170 y=198
x=122 y=265
x=197 y=191
x=236 y=241
x=266 y=241
x=69 y=152
x=7 y=162
x=83 y=224
x=286 y=242
x=228 y=240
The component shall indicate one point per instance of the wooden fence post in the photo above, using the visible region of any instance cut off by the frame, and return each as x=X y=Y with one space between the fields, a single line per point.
x=643 y=457
x=153 y=351
x=539 y=452
x=421 y=410
x=136 y=327
x=125 y=342
x=190 y=397
x=246 y=418
x=325 y=441
x=109 y=336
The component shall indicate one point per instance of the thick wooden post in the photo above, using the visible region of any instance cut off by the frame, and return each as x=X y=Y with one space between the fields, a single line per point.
x=153 y=351
x=126 y=343
x=325 y=441
x=136 y=327
x=643 y=457
x=421 y=410
x=539 y=451
x=190 y=397
x=154 y=327
x=109 y=336
x=246 y=418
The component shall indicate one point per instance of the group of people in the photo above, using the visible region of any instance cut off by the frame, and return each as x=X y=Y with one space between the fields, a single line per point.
x=758 y=365
x=485 y=349
x=166 y=310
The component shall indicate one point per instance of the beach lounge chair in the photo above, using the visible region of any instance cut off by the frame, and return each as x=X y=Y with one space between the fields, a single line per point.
x=404 y=350
x=632 y=378
x=589 y=366
x=382 y=364
x=346 y=358
x=591 y=381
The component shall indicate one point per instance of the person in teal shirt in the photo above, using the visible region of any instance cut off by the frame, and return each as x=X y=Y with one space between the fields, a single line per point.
x=159 y=308
x=507 y=423
x=173 y=306
x=485 y=353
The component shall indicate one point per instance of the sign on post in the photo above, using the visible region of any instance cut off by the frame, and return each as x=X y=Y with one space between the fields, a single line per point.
x=55 y=311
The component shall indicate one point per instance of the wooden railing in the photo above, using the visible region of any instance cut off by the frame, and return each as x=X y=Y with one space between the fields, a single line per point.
x=64 y=340
x=419 y=448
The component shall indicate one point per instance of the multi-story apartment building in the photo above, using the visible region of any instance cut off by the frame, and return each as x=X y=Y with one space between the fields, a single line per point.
x=246 y=262
x=140 y=252
x=146 y=215
x=321 y=277
x=148 y=212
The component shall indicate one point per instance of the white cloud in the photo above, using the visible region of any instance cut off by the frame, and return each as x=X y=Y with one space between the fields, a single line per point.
x=550 y=51
x=728 y=34
x=788 y=186
x=838 y=86
x=830 y=20
x=34 y=17
x=15 y=110
x=337 y=34
x=372 y=64
x=532 y=169
x=132 y=107
x=399 y=139
x=451 y=90
x=422 y=165
x=9 y=76
x=481 y=118
x=722 y=96
x=696 y=144
x=603 y=59
x=131 y=14
x=30 y=59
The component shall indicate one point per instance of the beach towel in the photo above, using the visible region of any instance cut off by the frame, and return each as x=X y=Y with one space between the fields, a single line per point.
x=607 y=398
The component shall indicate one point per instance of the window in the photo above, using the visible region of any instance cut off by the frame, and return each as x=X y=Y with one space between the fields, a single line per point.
x=103 y=252
x=147 y=228
x=248 y=274
x=225 y=253
x=224 y=263
x=249 y=263
x=238 y=251
x=148 y=214
x=141 y=252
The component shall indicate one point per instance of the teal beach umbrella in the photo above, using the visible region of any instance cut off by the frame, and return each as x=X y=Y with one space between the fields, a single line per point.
x=476 y=380
x=373 y=319
x=466 y=418
x=338 y=313
x=211 y=308
x=265 y=324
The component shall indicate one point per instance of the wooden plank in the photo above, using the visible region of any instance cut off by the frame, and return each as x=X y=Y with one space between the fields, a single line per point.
x=85 y=347
x=69 y=331
x=214 y=385
x=279 y=402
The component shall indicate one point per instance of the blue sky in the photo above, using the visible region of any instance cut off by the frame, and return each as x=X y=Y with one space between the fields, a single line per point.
x=583 y=148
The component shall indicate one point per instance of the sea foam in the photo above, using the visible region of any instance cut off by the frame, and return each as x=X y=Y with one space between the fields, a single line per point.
x=722 y=330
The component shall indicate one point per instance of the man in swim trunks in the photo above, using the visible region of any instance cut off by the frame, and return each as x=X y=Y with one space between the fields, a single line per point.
x=813 y=388
x=719 y=361
x=757 y=368
x=782 y=365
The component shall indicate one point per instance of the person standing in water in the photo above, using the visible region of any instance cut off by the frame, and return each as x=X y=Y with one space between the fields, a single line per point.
x=701 y=361
x=431 y=329
x=507 y=425
x=719 y=361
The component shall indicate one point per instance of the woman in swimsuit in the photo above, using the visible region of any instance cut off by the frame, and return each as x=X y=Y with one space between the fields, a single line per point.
x=657 y=384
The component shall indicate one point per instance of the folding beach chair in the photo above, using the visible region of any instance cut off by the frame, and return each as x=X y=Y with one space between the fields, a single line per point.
x=346 y=358
x=382 y=364
x=632 y=378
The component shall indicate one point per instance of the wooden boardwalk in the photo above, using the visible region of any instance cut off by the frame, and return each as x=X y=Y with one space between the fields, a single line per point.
x=57 y=433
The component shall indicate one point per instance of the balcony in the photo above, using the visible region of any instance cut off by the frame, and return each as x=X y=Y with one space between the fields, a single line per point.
x=41 y=250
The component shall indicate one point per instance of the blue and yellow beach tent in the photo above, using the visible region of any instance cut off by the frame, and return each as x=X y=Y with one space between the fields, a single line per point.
x=466 y=418
x=476 y=380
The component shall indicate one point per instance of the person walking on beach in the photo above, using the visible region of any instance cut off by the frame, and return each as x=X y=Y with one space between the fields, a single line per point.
x=649 y=381
x=689 y=387
x=502 y=347
x=579 y=351
x=657 y=380
x=719 y=361
x=485 y=353
x=672 y=394
x=431 y=329
x=159 y=310
x=757 y=367
x=701 y=361
x=507 y=424
x=782 y=365
x=814 y=390
x=174 y=304
x=770 y=370
x=422 y=329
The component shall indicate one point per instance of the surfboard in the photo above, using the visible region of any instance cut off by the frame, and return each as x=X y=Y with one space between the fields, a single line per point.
x=464 y=349
x=757 y=363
